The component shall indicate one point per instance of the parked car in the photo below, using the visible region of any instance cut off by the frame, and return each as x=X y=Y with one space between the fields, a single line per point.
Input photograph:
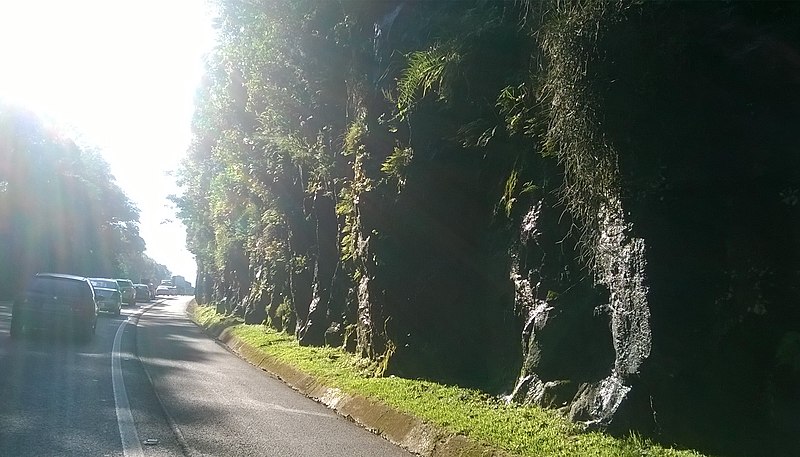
x=128 y=291
x=52 y=300
x=107 y=294
x=142 y=292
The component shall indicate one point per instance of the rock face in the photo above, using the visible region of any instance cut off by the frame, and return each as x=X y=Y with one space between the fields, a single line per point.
x=583 y=337
x=596 y=211
x=566 y=342
x=711 y=171
x=445 y=271
x=687 y=329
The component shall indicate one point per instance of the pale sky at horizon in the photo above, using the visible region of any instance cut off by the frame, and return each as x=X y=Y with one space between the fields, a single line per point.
x=123 y=75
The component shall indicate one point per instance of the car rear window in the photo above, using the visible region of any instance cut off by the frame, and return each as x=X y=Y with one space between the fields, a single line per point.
x=106 y=284
x=59 y=287
x=104 y=293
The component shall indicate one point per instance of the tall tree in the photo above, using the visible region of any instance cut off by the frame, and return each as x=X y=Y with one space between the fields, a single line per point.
x=60 y=209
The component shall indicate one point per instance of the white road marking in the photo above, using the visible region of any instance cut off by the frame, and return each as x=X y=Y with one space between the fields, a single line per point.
x=131 y=446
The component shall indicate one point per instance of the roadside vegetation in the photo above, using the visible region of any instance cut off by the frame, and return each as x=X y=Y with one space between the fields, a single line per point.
x=543 y=200
x=521 y=430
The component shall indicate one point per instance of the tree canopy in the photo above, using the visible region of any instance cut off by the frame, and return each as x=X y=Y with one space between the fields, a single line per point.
x=60 y=209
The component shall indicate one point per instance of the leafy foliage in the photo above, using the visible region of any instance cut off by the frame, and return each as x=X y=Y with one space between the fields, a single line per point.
x=396 y=164
x=307 y=102
x=427 y=71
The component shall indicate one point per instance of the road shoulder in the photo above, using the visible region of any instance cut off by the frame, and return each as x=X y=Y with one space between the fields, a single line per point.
x=404 y=430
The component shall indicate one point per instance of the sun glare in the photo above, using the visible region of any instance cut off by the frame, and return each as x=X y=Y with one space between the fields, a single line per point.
x=123 y=76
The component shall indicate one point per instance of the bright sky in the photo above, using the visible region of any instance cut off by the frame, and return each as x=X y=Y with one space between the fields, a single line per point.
x=123 y=74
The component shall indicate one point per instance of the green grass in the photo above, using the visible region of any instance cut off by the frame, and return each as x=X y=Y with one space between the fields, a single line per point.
x=521 y=430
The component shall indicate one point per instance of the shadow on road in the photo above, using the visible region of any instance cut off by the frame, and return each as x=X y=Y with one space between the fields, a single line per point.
x=55 y=392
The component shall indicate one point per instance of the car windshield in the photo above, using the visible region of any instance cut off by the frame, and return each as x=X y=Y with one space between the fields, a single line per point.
x=104 y=283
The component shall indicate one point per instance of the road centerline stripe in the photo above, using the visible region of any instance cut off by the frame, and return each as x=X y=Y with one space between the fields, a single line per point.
x=131 y=446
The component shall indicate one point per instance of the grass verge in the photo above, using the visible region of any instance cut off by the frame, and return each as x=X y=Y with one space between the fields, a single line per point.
x=524 y=431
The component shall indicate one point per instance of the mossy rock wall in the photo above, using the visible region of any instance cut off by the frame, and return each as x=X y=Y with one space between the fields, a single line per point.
x=700 y=101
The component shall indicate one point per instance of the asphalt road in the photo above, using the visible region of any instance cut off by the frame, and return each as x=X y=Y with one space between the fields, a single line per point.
x=166 y=390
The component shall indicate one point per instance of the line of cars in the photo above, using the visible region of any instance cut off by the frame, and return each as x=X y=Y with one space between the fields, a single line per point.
x=52 y=300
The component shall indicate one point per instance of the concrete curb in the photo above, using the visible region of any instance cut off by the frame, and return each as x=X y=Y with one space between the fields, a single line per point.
x=404 y=430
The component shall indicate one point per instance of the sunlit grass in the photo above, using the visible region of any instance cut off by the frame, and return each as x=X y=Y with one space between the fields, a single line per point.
x=210 y=320
x=521 y=430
